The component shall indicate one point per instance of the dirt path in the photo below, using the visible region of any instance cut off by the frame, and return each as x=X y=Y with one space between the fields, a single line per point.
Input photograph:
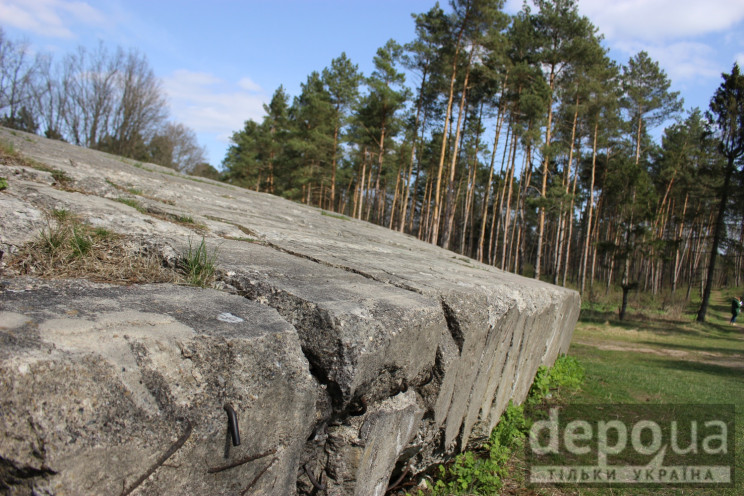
x=728 y=360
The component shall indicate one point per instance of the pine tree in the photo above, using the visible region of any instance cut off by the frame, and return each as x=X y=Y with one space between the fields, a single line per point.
x=342 y=81
x=561 y=35
x=378 y=112
x=727 y=118
x=311 y=142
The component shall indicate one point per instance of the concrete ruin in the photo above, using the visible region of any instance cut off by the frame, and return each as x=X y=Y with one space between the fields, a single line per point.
x=348 y=352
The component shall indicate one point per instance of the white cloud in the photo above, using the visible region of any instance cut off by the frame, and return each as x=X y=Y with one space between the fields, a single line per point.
x=740 y=60
x=655 y=20
x=247 y=84
x=682 y=61
x=52 y=18
x=208 y=104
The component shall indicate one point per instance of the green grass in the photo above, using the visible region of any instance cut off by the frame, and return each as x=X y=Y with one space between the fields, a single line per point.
x=198 y=264
x=652 y=358
x=184 y=219
x=132 y=203
x=244 y=239
x=335 y=216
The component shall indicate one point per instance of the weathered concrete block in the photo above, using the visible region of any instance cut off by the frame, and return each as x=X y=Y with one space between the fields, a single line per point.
x=97 y=384
x=360 y=350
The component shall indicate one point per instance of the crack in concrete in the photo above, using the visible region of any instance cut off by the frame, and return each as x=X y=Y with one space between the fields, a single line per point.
x=343 y=267
x=453 y=324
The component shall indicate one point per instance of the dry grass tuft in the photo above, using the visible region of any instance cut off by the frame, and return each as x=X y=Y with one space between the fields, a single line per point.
x=68 y=248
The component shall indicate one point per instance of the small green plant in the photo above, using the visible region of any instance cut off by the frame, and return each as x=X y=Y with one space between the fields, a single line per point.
x=198 y=264
x=52 y=239
x=134 y=191
x=80 y=242
x=132 y=203
x=335 y=216
x=62 y=215
x=510 y=432
x=469 y=474
x=474 y=472
x=61 y=177
x=566 y=374
x=3 y=183
x=185 y=219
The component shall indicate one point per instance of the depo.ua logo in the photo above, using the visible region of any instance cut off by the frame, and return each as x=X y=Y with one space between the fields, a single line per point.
x=669 y=445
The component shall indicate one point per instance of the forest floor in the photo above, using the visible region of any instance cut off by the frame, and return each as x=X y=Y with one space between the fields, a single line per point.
x=658 y=355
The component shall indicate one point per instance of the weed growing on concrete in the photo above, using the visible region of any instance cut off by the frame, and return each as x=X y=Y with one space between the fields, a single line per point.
x=62 y=215
x=3 y=183
x=131 y=202
x=198 y=264
x=66 y=247
x=335 y=216
x=61 y=177
x=243 y=238
x=184 y=219
x=80 y=241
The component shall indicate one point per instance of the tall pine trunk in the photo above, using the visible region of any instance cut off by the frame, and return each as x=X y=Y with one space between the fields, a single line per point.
x=487 y=198
x=544 y=187
x=590 y=208
x=717 y=237
x=451 y=201
x=443 y=151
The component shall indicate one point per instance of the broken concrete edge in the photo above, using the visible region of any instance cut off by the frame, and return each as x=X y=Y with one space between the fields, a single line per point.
x=413 y=403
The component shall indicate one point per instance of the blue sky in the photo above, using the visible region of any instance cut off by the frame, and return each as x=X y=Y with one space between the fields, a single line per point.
x=221 y=60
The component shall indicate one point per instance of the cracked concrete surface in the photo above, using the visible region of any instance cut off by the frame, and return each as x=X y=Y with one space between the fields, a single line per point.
x=350 y=350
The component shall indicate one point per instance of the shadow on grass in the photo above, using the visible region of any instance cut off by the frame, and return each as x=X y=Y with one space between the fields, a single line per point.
x=637 y=321
x=702 y=368
x=686 y=326
x=724 y=351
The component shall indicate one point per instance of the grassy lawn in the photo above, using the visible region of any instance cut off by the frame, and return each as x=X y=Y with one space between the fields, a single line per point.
x=658 y=357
